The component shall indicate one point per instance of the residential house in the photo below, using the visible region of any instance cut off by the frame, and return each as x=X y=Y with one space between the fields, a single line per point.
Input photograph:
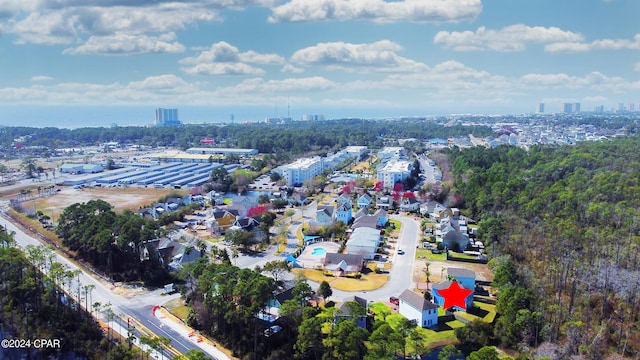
x=362 y=212
x=383 y=217
x=452 y=238
x=364 y=241
x=438 y=297
x=465 y=278
x=364 y=201
x=324 y=215
x=365 y=221
x=220 y=221
x=409 y=203
x=384 y=202
x=298 y=199
x=169 y=252
x=345 y=310
x=246 y=224
x=343 y=211
x=342 y=264
x=415 y=307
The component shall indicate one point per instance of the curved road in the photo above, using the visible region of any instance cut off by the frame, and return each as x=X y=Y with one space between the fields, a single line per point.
x=402 y=267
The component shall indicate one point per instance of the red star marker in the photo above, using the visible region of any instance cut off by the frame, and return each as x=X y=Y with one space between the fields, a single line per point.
x=455 y=296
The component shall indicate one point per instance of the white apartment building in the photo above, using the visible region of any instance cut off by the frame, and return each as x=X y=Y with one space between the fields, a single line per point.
x=394 y=171
x=300 y=170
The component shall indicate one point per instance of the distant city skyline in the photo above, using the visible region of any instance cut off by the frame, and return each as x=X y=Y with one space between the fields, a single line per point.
x=81 y=63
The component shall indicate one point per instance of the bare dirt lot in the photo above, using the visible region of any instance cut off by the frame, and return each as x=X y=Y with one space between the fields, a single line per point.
x=121 y=198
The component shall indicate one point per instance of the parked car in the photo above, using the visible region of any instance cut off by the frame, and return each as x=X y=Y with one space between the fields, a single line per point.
x=394 y=300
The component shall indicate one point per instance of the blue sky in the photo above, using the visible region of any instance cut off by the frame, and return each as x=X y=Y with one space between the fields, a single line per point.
x=64 y=60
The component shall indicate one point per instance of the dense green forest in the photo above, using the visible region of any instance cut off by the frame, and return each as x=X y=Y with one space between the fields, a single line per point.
x=562 y=225
x=111 y=242
x=295 y=137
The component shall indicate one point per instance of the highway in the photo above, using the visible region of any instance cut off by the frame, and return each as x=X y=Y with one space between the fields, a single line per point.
x=137 y=309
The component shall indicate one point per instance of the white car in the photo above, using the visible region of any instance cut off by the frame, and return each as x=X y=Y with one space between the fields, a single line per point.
x=400 y=252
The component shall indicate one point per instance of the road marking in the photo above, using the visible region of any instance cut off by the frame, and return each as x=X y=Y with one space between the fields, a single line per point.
x=148 y=332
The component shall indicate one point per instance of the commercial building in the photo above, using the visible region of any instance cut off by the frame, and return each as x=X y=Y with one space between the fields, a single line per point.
x=167 y=117
x=221 y=151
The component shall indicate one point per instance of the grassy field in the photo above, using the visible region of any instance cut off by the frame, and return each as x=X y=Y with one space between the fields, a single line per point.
x=177 y=308
x=121 y=198
x=367 y=282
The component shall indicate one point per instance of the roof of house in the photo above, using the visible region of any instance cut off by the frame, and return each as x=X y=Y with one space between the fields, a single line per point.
x=284 y=295
x=365 y=196
x=328 y=210
x=452 y=234
x=380 y=213
x=364 y=236
x=362 y=212
x=345 y=310
x=365 y=221
x=218 y=214
x=417 y=301
x=441 y=285
x=459 y=272
x=349 y=259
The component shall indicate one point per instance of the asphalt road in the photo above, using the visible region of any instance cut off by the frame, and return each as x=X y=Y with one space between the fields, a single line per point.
x=401 y=273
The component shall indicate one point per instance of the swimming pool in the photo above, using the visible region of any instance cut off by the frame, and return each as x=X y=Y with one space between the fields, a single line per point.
x=318 y=251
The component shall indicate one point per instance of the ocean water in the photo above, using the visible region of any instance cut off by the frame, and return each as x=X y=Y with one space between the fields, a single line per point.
x=106 y=116
x=76 y=116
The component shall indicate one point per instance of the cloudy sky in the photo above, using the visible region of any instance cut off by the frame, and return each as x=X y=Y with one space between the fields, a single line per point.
x=108 y=61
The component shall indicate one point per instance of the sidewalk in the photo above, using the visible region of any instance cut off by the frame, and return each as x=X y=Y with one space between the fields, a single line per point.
x=176 y=324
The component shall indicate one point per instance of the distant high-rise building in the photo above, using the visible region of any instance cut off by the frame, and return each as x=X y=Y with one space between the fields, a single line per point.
x=540 y=108
x=620 y=107
x=567 y=107
x=631 y=107
x=576 y=107
x=599 y=108
x=167 y=117
x=315 y=117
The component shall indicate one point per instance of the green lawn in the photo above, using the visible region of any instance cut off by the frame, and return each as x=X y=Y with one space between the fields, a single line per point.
x=442 y=335
x=422 y=253
x=397 y=224
x=178 y=309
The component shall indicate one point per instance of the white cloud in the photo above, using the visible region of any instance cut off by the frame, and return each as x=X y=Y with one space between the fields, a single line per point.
x=223 y=58
x=41 y=78
x=377 y=10
x=379 y=56
x=155 y=89
x=288 y=68
x=80 y=21
x=362 y=103
x=591 y=81
x=510 y=38
x=636 y=67
x=602 y=44
x=258 y=85
x=127 y=44
x=227 y=68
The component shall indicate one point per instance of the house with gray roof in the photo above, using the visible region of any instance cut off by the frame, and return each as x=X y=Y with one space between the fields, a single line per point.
x=415 y=307
x=342 y=264
x=364 y=241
